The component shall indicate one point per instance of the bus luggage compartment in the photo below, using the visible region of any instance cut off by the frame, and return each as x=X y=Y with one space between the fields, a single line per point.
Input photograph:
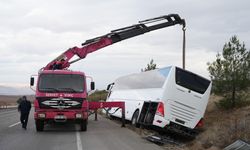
x=147 y=113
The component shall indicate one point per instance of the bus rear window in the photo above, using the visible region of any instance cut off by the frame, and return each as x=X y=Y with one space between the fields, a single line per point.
x=191 y=81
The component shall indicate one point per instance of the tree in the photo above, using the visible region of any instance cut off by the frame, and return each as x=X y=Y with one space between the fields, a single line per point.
x=150 y=66
x=230 y=72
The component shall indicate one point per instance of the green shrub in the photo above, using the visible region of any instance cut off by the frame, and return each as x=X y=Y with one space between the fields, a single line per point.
x=227 y=103
x=98 y=95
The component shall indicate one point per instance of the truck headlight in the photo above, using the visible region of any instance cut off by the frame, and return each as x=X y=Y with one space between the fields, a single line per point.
x=41 y=115
x=78 y=115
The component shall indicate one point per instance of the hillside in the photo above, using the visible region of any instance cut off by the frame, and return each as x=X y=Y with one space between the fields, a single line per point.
x=222 y=127
x=11 y=99
x=8 y=90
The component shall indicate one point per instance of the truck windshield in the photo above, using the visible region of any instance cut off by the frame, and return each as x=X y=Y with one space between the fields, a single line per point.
x=191 y=81
x=72 y=83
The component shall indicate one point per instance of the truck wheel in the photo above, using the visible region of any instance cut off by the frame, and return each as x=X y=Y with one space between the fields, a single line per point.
x=134 y=120
x=83 y=125
x=39 y=125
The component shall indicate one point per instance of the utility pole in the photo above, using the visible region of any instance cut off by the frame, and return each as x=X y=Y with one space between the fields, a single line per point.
x=184 y=47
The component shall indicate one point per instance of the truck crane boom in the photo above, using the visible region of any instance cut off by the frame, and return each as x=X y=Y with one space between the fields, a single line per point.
x=91 y=45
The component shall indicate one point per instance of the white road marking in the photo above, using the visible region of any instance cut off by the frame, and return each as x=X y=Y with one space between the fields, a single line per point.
x=14 y=124
x=78 y=141
x=7 y=112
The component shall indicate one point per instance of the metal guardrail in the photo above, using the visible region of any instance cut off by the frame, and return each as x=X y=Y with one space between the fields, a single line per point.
x=7 y=106
x=238 y=145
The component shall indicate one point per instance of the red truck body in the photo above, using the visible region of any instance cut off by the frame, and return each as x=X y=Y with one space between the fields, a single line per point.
x=61 y=94
x=67 y=103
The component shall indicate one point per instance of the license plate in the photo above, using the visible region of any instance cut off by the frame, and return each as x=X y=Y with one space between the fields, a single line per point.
x=60 y=117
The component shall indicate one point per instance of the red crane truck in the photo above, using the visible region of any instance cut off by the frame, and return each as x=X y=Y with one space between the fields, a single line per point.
x=61 y=94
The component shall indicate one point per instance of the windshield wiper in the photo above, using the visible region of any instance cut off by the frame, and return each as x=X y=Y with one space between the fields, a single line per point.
x=49 y=89
x=67 y=90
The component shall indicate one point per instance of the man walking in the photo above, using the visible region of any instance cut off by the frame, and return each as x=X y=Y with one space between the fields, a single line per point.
x=24 y=108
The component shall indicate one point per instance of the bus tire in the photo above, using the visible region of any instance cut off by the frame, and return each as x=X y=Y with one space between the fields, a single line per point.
x=134 y=120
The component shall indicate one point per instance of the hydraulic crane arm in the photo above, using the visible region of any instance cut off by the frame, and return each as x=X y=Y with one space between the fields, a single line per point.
x=91 y=45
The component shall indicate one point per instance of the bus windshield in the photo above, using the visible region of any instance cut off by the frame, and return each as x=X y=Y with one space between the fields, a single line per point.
x=191 y=81
x=72 y=83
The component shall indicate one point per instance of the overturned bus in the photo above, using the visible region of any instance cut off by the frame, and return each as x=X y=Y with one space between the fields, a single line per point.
x=169 y=98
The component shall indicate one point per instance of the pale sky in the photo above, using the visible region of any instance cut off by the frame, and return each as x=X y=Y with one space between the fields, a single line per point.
x=33 y=32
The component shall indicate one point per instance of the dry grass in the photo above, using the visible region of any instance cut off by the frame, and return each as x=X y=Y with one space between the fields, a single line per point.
x=222 y=127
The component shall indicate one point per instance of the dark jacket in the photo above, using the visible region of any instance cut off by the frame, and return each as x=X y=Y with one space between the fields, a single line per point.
x=24 y=106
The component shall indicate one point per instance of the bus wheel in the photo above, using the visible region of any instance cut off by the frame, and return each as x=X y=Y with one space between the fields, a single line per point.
x=134 y=120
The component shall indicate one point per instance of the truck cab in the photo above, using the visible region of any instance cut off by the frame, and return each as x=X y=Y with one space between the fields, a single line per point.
x=61 y=97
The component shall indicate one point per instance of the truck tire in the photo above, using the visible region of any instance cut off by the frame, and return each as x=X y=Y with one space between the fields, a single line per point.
x=83 y=125
x=39 y=125
x=134 y=120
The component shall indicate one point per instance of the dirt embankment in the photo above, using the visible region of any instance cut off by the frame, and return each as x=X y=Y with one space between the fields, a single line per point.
x=224 y=127
x=221 y=127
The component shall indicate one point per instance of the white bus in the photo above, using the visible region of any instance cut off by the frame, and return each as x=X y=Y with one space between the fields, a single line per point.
x=170 y=98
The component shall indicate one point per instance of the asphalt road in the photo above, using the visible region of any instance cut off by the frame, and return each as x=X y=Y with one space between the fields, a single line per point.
x=101 y=135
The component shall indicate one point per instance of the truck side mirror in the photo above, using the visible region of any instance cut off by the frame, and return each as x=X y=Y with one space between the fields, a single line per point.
x=92 y=85
x=32 y=81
